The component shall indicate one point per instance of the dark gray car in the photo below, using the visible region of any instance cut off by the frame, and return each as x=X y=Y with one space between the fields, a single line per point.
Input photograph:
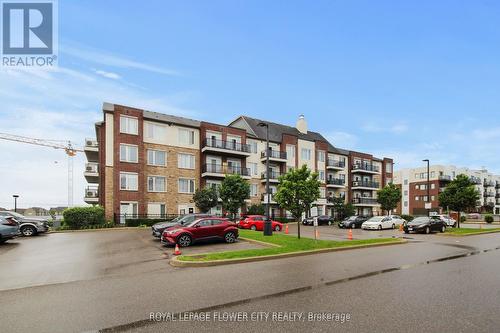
x=157 y=228
x=28 y=226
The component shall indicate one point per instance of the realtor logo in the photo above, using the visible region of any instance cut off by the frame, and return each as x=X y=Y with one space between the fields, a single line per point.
x=29 y=36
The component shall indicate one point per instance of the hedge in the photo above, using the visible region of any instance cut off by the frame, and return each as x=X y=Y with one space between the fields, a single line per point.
x=143 y=221
x=83 y=217
x=407 y=218
x=488 y=218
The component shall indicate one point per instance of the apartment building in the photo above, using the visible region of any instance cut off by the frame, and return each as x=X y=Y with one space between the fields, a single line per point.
x=413 y=183
x=144 y=162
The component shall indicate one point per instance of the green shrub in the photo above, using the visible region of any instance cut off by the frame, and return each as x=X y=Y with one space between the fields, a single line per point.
x=488 y=218
x=81 y=217
x=143 y=221
x=256 y=210
x=284 y=219
x=407 y=218
x=463 y=218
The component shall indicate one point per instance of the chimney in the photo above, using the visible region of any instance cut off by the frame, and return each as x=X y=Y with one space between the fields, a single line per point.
x=302 y=124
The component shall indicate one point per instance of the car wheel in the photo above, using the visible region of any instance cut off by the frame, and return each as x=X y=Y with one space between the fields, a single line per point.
x=407 y=232
x=277 y=228
x=184 y=240
x=443 y=228
x=427 y=230
x=230 y=237
x=253 y=227
x=380 y=227
x=393 y=226
x=454 y=225
x=353 y=226
x=28 y=231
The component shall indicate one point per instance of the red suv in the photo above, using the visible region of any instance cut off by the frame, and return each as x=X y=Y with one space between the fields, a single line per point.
x=201 y=229
x=256 y=222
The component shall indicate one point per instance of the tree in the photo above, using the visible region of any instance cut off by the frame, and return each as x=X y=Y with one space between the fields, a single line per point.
x=460 y=195
x=297 y=190
x=341 y=209
x=233 y=191
x=256 y=210
x=206 y=198
x=389 y=197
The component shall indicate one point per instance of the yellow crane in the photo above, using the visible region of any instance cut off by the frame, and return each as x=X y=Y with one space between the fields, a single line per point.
x=69 y=148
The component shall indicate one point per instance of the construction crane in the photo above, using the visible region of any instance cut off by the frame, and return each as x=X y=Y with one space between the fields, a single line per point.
x=69 y=148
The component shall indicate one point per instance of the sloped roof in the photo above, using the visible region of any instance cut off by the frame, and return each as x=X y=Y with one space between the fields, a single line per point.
x=167 y=118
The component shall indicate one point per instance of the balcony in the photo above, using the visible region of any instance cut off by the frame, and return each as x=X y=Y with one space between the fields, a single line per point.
x=489 y=183
x=364 y=201
x=475 y=180
x=91 y=195
x=274 y=156
x=365 y=168
x=332 y=164
x=335 y=182
x=91 y=172
x=226 y=147
x=273 y=177
x=365 y=185
x=489 y=194
x=263 y=198
x=91 y=150
x=497 y=185
x=219 y=170
x=444 y=178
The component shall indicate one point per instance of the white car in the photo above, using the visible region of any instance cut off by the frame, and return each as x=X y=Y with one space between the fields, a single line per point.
x=383 y=222
x=449 y=221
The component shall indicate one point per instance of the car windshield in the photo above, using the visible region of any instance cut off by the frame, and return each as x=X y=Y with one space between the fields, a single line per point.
x=352 y=218
x=17 y=215
x=376 y=219
x=420 y=220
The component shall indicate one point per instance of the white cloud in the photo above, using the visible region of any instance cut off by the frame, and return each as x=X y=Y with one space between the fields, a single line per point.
x=104 y=58
x=342 y=140
x=396 y=128
x=109 y=75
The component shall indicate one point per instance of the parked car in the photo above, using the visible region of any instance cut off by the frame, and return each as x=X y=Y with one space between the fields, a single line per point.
x=474 y=216
x=9 y=228
x=157 y=228
x=201 y=229
x=449 y=221
x=322 y=219
x=382 y=222
x=425 y=224
x=256 y=222
x=353 y=222
x=28 y=226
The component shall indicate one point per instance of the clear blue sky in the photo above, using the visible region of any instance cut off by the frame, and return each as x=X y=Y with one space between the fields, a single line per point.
x=403 y=79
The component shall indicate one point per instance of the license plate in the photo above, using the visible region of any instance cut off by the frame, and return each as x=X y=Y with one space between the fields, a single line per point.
x=410 y=229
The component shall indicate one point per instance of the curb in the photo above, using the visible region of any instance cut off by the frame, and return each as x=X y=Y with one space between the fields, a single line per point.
x=472 y=234
x=177 y=263
x=91 y=230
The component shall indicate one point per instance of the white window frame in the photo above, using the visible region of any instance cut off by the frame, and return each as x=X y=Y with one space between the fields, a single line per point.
x=125 y=122
x=189 y=185
x=127 y=153
x=191 y=139
x=127 y=188
x=155 y=178
x=254 y=168
x=151 y=127
x=184 y=167
x=254 y=193
x=321 y=155
x=157 y=203
x=290 y=148
x=305 y=151
x=154 y=151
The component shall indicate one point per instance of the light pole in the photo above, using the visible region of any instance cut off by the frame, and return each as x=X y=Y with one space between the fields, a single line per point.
x=428 y=188
x=268 y=229
x=15 y=196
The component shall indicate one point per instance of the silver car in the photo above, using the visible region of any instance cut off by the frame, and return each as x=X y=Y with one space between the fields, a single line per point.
x=29 y=226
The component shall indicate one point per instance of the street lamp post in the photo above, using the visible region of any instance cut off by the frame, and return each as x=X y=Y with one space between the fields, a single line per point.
x=15 y=196
x=268 y=229
x=428 y=188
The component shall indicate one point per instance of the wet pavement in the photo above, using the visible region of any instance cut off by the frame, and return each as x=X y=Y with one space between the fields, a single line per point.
x=114 y=279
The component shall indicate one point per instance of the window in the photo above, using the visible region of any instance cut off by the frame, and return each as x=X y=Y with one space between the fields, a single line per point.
x=305 y=154
x=433 y=174
x=389 y=180
x=425 y=198
x=156 y=131
x=128 y=153
x=186 y=185
x=186 y=136
x=253 y=168
x=406 y=181
x=321 y=156
x=417 y=198
x=253 y=146
x=156 y=209
x=128 y=181
x=157 y=157
x=320 y=210
x=405 y=192
x=433 y=186
x=322 y=192
x=128 y=125
x=417 y=176
x=388 y=168
x=156 y=184
x=417 y=187
x=406 y=203
x=433 y=198
x=423 y=187
x=321 y=175
x=253 y=190
x=185 y=161
x=290 y=151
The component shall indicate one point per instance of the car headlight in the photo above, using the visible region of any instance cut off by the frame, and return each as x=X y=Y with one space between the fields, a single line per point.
x=171 y=232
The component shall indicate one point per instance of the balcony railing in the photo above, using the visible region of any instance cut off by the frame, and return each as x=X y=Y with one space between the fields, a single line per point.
x=364 y=183
x=366 y=167
x=274 y=154
x=475 y=180
x=445 y=178
x=227 y=145
x=335 y=181
x=92 y=192
x=272 y=175
x=497 y=185
x=335 y=163
x=489 y=194
x=263 y=197
x=91 y=167
x=365 y=201
x=489 y=183
x=224 y=169
x=91 y=143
